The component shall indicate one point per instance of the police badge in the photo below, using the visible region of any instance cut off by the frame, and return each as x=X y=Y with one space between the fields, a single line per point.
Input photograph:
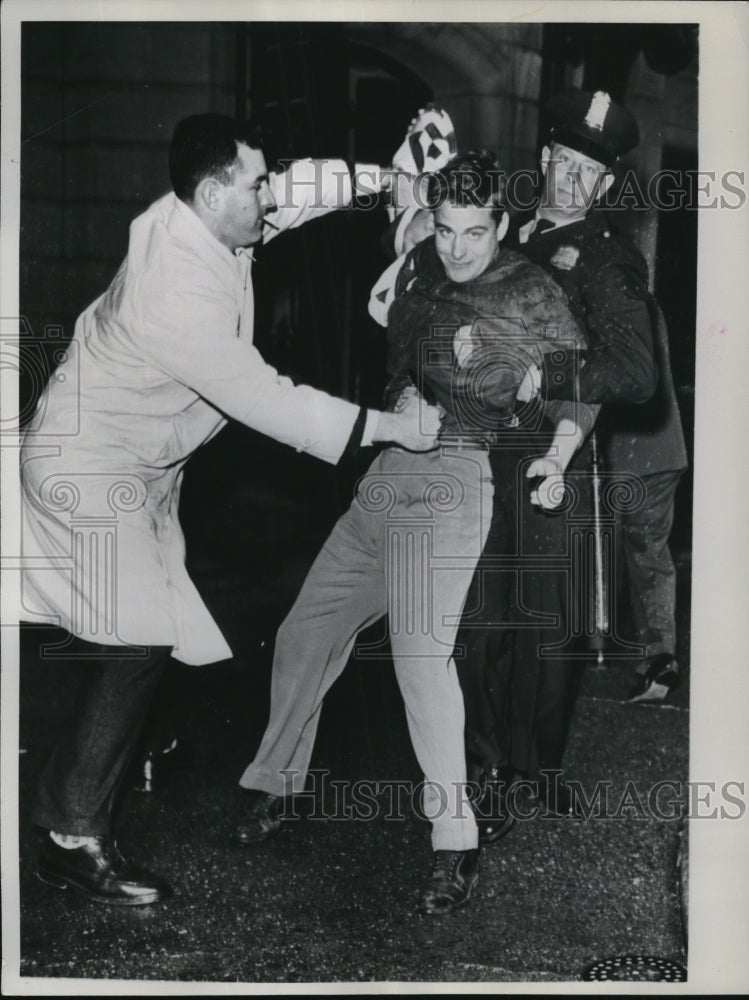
x=565 y=258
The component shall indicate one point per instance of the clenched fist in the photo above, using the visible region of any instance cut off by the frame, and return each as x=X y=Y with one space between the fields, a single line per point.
x=550 y=491
x=414 y=426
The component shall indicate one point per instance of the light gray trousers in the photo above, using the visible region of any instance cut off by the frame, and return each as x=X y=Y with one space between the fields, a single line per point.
x=407 y=547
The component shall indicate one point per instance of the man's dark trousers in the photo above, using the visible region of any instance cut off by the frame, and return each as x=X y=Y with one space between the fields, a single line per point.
x=651 y=575
x=78 y=785
x=518 y=689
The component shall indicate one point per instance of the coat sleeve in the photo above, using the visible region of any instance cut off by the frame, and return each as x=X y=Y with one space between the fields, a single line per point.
x=191 y=335
x=307 y=190
x=620 y=365
x=551 y=322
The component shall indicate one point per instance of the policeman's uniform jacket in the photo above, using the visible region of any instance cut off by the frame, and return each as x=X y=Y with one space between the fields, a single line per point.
x=159 y=362
x=606 y=281
x=519 y=698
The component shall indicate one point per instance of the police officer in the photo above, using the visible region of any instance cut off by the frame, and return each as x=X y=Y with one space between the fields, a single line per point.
x=605 y=279
x=626 y=368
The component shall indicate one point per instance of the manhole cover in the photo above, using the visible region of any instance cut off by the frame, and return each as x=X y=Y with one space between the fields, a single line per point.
x=636 y=968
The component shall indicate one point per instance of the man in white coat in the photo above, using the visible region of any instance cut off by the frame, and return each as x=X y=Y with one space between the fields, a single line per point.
x=165 y=357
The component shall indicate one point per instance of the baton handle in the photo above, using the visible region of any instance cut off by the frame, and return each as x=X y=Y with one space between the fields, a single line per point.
x=601 y=596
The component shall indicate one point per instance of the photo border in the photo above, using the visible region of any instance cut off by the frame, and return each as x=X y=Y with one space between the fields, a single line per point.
x=719 y=747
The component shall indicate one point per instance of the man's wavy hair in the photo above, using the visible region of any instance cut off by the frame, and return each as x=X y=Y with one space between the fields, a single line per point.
x=207 y=146
x=469 y=179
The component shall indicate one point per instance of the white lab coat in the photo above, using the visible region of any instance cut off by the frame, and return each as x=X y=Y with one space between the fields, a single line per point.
x=156 y=366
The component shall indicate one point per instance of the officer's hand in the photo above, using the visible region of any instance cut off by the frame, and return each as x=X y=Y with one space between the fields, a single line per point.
x=550 y=491
x=530 y=386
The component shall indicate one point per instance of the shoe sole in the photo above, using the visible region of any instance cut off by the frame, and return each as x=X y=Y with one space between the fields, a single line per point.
x=656 y=692
x=63 y=882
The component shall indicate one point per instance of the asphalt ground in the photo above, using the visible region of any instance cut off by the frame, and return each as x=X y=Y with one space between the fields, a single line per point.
x=332 y=899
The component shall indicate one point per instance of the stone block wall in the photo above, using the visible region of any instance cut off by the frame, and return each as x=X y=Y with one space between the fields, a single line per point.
x=99 y=102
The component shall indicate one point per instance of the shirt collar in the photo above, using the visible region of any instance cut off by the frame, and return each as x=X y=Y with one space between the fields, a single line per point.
x=529 y=227
x=554 y=225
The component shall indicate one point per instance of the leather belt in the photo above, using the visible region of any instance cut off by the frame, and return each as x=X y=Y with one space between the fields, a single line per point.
x=459 y=443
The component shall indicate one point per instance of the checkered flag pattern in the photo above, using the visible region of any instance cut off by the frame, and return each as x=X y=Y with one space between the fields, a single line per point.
x=429 y=144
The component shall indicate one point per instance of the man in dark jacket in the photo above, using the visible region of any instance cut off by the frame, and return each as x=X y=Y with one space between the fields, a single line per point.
x=605 y=279
x=626 y=368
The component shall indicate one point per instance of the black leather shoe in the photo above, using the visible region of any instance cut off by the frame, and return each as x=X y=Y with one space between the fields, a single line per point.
x=555 y=797
x=490 y=808
x=454 y=874
x=99 y=871
x=157 y=767
x=660 y=678
x=263 y=819
x=558 y=801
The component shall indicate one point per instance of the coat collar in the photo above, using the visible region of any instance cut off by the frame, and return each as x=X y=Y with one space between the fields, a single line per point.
x=186 y=225
x=595 y=221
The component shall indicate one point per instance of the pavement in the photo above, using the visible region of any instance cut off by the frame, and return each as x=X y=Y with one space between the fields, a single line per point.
x=332 y=899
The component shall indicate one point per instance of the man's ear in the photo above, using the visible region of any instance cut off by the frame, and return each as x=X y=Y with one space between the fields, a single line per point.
x=545 y=157
x=208 y=194
x=504 y=222
x=604 y=184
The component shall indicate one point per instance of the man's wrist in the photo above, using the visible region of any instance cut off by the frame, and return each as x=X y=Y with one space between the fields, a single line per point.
x=370 y=428
x=386 y=426
x=368 y=178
